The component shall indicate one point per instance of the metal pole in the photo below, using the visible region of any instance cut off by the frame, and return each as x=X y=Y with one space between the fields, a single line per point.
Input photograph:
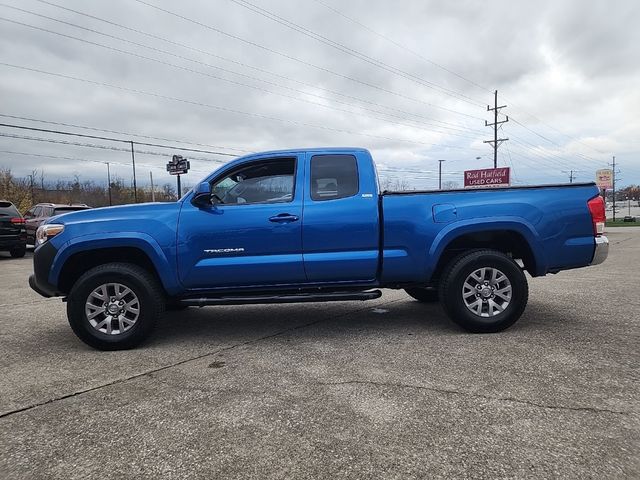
x=31 y=189
x=495 y=130
x=440 y=174
x=109 y=182
x=153 y=193
x=135 y=186
x=613 y=184
x=179 y=187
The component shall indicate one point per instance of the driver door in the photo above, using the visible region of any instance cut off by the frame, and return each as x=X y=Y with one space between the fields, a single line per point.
x=252 y=235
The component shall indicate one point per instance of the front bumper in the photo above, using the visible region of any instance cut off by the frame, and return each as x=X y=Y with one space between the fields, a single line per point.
x=42 y=261
x=601 y=251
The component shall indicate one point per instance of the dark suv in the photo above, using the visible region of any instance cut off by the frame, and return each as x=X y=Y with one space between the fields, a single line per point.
x=13 y=236
x=43 y=211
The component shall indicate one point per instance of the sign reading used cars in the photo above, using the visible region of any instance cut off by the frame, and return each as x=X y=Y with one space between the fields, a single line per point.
x=604 y=178
x=487 y=177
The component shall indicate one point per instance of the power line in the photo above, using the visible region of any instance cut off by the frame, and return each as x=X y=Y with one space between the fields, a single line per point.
x=214 y=55
x=102 y=147
x=84 y=127
x=97 y=137
x=271 y=73
x=298 y=60
x=533 y=149
x=162 y=62
x=58 y=157
x=352 y=52
x=560 y=132
x=449 y=71
x=224 y=109
x=399 y=45
x=548 y=139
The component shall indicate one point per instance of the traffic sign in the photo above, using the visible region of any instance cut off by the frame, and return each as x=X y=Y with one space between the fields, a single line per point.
x=178 y=165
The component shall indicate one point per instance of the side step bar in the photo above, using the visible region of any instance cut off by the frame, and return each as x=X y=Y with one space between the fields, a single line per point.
x=290 y=298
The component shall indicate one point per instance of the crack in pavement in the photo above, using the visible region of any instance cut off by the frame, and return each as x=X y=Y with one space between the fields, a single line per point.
x=182 y=362
x=474 y=395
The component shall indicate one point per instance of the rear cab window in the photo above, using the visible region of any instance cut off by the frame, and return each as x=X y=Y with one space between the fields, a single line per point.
x=333 y=177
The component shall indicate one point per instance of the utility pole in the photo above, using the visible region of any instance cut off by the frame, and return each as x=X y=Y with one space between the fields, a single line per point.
x=153 y=193
x=31 y=189
x=571 y=174
x=613 y=184
x=109 y=182
x=135 y=186
x=440 y=174
x=496 y=141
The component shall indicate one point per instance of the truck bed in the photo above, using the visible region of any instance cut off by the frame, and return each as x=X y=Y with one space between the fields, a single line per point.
x=548 y=226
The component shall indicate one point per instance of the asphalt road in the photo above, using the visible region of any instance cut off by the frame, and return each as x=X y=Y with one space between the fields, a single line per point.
x=381 y=389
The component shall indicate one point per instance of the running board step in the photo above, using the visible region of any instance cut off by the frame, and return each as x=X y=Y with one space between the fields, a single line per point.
x=292 y=298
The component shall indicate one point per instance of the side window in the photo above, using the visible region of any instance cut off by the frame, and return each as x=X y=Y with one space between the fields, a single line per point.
x=37 y=212
x=333 y=176
x=29 y=213
x=270 y=181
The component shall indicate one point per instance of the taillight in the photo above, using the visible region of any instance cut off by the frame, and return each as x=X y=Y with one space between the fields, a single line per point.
x=596 y=207
x=17 y=221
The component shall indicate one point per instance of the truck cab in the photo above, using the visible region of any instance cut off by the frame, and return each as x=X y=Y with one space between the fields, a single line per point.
x=295 y=218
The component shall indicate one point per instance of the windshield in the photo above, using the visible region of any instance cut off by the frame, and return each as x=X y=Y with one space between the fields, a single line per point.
x=61 y=210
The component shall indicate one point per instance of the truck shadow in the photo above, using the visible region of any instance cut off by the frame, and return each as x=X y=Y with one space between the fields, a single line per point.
x=326 y=321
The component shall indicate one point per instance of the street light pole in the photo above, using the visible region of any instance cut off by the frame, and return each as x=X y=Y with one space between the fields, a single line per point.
x=135 y=187
x=109 y=182
x=440 y=174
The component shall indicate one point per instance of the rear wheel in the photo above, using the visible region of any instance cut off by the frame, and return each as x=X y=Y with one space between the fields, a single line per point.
x=114 y=306
x=424 y=295
x=484 y=291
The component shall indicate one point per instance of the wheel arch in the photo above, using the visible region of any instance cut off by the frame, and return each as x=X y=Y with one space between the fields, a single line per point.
x=507 y=236
x=83 y=253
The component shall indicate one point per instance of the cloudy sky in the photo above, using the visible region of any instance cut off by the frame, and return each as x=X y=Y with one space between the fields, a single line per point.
x=409 y=80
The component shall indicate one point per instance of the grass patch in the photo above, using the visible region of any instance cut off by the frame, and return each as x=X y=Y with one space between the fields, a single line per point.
x=620 y=223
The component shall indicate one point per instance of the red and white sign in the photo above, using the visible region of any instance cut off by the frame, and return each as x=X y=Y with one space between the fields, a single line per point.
x=604 y=178
x=487 y=177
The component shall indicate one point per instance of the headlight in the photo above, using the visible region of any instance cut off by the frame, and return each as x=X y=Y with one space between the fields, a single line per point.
x=47 y=232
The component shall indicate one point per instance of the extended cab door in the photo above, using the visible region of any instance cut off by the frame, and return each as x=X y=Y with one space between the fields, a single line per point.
x=340 y=233
x=252 y=235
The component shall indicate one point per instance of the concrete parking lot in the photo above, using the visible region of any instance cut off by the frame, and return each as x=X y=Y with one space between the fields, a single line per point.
x=382 y=389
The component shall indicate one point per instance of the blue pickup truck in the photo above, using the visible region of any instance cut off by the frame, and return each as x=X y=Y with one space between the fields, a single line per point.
x=311 y=225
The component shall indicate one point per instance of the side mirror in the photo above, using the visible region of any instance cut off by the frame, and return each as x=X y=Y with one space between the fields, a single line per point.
x=202 y=195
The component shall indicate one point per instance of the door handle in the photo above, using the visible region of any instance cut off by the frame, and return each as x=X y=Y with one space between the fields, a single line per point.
x=284 y=218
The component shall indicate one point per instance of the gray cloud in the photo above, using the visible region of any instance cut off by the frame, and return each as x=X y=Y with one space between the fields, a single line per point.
x=567 y=70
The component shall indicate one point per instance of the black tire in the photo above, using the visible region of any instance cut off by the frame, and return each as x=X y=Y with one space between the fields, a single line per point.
x=424 y=295
x=141 y=282
x=18 y=252
x=451 y=291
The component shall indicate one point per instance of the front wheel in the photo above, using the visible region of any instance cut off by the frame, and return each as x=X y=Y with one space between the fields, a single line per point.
x=484 y=291
x=114 y=306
